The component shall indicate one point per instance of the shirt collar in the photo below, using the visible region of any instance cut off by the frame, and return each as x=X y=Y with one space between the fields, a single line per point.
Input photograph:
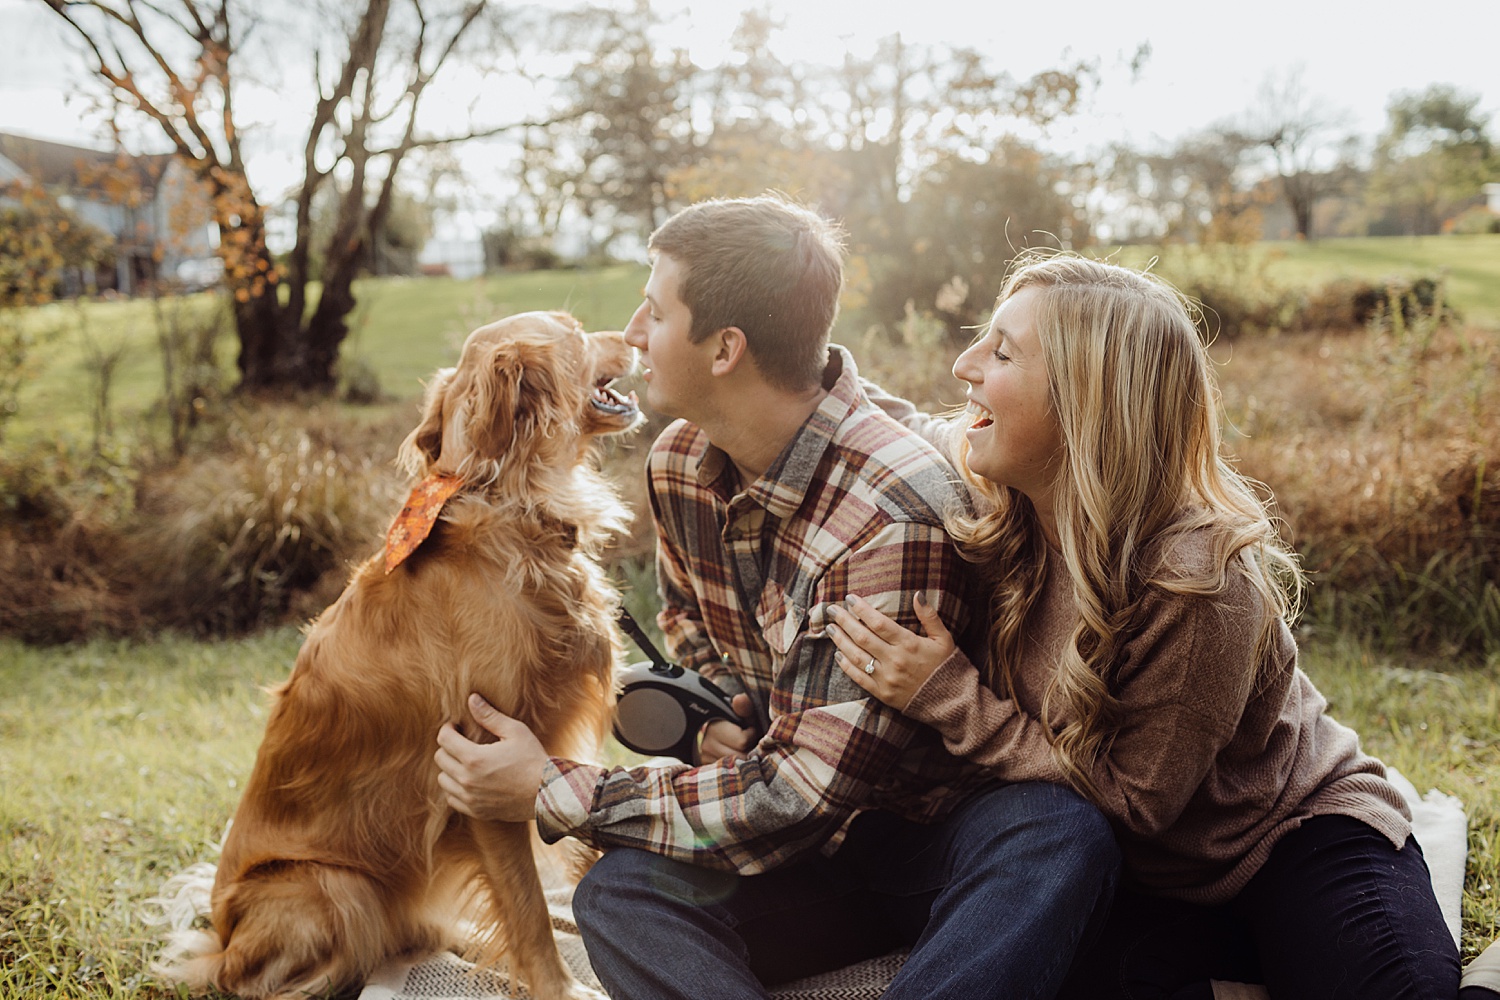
x=784 y=485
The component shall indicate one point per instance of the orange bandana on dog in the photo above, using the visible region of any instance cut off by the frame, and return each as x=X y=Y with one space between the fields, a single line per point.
x=414 y=523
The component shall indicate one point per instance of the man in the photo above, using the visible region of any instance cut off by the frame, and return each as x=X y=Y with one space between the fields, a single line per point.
x=845 y=829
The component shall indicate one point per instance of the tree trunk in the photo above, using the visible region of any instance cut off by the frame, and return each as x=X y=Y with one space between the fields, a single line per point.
x=1302 y=211
x=326 y=330
x=267 y=346
x=279 y=353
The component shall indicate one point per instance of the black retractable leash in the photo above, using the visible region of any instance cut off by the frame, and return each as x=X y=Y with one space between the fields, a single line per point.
x=662 y=705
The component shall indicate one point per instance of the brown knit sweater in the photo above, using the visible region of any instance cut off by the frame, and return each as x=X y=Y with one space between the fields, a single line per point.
x=1210 y=768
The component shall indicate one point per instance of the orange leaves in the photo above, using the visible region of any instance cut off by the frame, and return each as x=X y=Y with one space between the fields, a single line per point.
x=38 y=239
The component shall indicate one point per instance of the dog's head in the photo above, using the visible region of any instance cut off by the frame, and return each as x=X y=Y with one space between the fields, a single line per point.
x=532 y=386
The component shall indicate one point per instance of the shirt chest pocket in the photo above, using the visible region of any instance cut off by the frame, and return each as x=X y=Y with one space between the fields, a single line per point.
x=780 y=617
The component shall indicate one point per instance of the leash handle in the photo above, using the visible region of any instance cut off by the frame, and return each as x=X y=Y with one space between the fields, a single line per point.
x=633 y=629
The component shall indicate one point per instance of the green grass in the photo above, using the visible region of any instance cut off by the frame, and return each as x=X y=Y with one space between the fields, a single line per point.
x=121 y=762
x=406 y=328
x=403 y=328
x=1472 y=264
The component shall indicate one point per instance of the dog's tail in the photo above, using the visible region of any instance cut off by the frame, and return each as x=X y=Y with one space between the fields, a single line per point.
x=293 y=928
x=181 y=908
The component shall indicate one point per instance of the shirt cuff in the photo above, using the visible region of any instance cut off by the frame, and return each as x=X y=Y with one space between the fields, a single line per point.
x=566 y=798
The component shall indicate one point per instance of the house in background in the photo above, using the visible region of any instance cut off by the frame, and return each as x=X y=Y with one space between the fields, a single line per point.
x=1492 y=197
x=156 y=213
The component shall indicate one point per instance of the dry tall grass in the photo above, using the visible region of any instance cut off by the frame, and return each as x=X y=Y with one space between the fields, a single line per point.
x=1382 y=448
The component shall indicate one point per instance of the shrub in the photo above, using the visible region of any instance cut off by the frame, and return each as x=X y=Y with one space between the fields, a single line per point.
x=20 y=337
x=60 y=535
x=1233 y=309
x=1352 y=303
x=1477 y=220
x=359 y=382
x=188 y=332
x=226 y=543
x=1232 y=284
x=1383 y=451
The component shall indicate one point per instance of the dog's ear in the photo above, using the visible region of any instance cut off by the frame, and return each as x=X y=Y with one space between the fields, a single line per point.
x=423 y=445
x=519 y=396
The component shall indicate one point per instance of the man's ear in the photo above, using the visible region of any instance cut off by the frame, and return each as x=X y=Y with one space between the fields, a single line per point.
x=731 y=349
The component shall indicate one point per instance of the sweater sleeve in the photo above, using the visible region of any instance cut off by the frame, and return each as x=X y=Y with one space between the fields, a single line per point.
x=937 y=431
x=979 y=725
x=1183 y=684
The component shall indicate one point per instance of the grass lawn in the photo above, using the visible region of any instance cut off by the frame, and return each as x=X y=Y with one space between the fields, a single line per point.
x=1471 y=263
x=120 y=763
x=403 y=328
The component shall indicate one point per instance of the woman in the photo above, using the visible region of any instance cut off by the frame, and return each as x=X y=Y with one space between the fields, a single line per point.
x=1138 y=650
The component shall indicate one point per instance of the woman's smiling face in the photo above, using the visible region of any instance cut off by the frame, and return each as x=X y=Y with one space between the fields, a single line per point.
x=1014 y=436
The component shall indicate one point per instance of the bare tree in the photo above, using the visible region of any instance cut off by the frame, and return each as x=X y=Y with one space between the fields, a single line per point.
x=1307 y=142
x=180 y=63
x=1192 y=191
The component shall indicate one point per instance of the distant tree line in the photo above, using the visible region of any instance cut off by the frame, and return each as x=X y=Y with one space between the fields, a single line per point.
x=934 y=158
x=1423 y=174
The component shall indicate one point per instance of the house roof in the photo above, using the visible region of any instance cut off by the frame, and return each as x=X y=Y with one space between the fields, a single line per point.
x=79 y=168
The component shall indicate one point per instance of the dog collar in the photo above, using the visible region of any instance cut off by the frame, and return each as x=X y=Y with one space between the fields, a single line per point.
x=412 y=526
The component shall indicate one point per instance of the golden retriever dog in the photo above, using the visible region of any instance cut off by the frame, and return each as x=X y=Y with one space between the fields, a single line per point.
x=344 y=853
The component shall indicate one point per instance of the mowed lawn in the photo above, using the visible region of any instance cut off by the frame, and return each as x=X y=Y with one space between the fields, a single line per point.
x=1471 y=265
x=403 y=329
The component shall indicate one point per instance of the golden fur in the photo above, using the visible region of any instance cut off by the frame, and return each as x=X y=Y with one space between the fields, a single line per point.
x=344 y=853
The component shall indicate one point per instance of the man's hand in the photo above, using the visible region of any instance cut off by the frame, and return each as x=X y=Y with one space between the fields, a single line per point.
x=722 y=738
x=491 y=781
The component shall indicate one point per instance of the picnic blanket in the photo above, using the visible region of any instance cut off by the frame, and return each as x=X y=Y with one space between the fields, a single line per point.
x=1438 y=823
x=448 y=977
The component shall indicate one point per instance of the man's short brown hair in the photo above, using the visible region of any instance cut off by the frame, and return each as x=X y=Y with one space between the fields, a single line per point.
x=766 y=265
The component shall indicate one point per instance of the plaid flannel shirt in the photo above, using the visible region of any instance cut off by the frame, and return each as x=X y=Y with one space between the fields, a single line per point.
x=853 y=505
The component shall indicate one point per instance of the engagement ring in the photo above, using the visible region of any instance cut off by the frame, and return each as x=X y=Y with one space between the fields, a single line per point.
x=870 y=667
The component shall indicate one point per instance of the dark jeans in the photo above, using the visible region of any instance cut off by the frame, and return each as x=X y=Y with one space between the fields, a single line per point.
x=1335 y=912
x=993 y=901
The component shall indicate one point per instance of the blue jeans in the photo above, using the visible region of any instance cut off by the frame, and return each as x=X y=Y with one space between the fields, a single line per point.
x=993 y=902
x=1335 y=913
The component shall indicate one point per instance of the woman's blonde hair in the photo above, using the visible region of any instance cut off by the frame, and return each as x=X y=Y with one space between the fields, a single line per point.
x=1133 y=390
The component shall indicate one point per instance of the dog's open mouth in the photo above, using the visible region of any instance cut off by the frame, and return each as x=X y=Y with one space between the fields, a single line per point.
x=611 y=402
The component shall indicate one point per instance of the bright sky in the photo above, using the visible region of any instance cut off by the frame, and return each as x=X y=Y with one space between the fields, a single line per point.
x=1207 y=60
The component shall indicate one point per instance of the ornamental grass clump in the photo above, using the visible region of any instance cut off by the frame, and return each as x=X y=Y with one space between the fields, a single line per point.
x=226 y=543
